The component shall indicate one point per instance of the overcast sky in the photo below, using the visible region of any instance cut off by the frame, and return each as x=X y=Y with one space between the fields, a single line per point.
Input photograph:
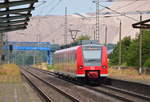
x=57 y=7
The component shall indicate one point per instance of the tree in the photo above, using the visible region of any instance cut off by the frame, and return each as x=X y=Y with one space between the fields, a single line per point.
x=29 y=60
x=145 y=46
x=133 y=52
x=130 y=51
x=132 y=55
x=26 y=57
x=83 y=37
x=114 y=57
x=147 y=63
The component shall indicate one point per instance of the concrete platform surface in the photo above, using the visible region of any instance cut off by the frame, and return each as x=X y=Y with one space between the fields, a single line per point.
x=17 y=92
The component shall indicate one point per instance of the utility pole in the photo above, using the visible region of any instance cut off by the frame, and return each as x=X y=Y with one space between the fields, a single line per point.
x=97 y=35
x=34 y=58
x=97 y=21
x=7 y=50
x=34 y=51
x=23 y=58
x=15 y=57
x=66 y=27
x=140 y=47
x=74 y=34
x=105 y=34
x=94 y=34
x=120 y=52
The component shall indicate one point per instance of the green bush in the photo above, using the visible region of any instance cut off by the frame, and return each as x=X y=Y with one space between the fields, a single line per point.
x=114 y=57
x=50 y=67
x=147 y=63
x=130 y=51
x=83 y=37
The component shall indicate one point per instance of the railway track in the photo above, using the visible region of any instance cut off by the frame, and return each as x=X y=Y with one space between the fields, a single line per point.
x=140 y=88
x=45 y=91
x=127 y=92
x=120 y=94
x=39 y=90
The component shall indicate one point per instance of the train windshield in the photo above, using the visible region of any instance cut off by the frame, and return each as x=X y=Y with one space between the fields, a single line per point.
x=92 y=55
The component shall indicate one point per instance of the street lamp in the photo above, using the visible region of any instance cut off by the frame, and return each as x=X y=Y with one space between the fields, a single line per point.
x=74 y=34
x=93 y=17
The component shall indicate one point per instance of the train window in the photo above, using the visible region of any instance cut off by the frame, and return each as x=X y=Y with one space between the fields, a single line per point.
x=65 y=57
x=74 y=56
x=55 y=59
x=58 y=58
x=92 y=56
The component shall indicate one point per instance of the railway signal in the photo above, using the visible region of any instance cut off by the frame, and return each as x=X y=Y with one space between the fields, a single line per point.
x=1 y=47
x=10 y=48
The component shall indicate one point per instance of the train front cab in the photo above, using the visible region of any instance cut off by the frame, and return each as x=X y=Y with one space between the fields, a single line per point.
x=93 y=64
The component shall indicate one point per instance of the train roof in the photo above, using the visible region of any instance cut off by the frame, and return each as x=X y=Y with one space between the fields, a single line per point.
x=82 y=42
x=93 y=45
x=67 y=49
x=75 y=47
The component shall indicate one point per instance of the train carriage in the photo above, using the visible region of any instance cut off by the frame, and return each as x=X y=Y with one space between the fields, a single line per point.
x=84 y=61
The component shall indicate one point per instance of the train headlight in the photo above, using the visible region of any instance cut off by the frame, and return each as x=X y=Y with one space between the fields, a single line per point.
x=81 y=67
x=103 y=66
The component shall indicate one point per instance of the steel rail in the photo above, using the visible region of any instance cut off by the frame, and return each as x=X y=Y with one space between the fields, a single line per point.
x=126 y=92
x=39 y=90
x=53 y=86
x=89 y=87
x=133 y=94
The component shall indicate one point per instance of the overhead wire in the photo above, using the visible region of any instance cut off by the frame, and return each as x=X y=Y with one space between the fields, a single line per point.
x=59 y=1
x=38 y=6
x=57 y=4
x=52 y=1
x=41 y=3
x=141 y=5
x=49 y=3
x=122 y=14
x=119 y=0
x=128 y=4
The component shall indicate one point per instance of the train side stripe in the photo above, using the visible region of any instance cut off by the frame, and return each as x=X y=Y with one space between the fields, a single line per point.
x=103 y=75
x=80 y=75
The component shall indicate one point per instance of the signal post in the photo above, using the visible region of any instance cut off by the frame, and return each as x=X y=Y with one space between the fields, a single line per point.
x=1 y=45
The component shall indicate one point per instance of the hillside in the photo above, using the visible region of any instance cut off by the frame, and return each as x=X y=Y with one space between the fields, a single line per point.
x=51 y=28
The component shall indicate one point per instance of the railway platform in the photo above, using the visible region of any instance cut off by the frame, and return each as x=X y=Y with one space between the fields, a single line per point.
x=17 y=92
x=13 y=87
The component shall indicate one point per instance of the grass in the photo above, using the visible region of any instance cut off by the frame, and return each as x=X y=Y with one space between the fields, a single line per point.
x=50 y=67
x=44 y=66
x=128 y=74
x=10 y=73
x=41 y=66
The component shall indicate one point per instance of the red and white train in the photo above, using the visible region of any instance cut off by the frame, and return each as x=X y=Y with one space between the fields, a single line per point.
x=84 y=61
